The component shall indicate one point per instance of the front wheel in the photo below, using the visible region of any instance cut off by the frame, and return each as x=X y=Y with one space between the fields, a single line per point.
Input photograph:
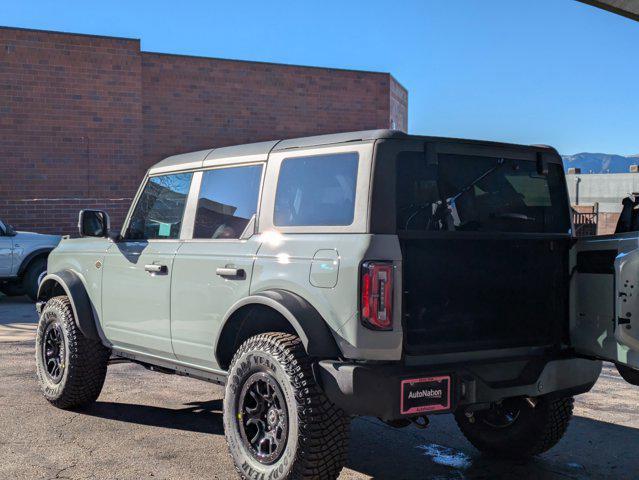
x=70 y=367
x=277 y=421
x=516 y=427
x=30 y=282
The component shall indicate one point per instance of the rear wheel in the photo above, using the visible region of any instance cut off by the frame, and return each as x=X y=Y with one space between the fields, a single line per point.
x=277 y=421
x=31 y=277
x=517 y=428
x=70 y=367
x=630 y=375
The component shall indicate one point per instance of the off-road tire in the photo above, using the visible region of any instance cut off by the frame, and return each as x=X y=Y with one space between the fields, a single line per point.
x=318 y=431
x=85 y=360
x=534 y=431
x=31 y=275
x=630 y=375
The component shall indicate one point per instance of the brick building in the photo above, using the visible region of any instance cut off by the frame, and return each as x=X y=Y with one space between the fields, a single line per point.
x=82 y=117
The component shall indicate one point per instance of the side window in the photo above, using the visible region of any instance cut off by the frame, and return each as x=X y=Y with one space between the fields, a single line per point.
x=318 y=190
x=227 y=201
x=158 y=213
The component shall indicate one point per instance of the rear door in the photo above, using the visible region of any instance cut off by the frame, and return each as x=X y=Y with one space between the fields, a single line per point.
x=605 y=298
x=212 y=270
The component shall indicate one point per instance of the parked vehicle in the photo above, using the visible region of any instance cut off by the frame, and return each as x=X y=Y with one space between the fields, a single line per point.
x=368 y=273
x=23 y=259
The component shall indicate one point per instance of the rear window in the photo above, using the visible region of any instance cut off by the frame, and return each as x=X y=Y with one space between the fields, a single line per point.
x=477 y=193
x=317 y=190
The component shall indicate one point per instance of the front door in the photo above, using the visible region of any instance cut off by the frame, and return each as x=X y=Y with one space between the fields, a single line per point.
x=136 y=289
x=213 y=268
x=605 y=298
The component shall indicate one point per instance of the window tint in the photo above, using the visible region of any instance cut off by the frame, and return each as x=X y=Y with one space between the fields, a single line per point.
x=475 y=193
x=228 y=200
x=159 y=211
x=318 y=190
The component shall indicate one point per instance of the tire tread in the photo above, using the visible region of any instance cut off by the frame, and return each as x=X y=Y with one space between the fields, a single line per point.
x=87 y=365
x=324 y=429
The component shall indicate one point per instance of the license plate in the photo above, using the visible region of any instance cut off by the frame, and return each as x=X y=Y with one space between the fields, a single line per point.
x=427 y=394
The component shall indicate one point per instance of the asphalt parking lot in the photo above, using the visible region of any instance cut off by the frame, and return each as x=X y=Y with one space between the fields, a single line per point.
x=149 y=425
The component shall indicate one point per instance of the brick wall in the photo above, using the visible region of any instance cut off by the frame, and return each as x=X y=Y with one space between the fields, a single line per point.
x=70 y=124
x=398 y=106
x=82 y=117
x=193 y=103
x=59 y=215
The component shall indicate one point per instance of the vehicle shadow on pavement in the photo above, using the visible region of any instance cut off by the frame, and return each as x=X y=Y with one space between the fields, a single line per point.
x=199 y=417
x=589 y=451
x=438 y=452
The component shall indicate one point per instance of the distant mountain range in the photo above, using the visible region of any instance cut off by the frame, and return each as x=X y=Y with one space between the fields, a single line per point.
x=600 y=162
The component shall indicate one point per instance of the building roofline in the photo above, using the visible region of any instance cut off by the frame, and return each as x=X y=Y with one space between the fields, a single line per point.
x=236 y=60
x=394 y=78
x=75 y=34
x=276 y=64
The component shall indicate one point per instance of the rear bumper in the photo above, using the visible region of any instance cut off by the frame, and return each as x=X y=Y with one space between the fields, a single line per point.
x=374 y=390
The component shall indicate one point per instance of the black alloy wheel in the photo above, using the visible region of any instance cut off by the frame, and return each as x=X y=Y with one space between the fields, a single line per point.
x=53 y=352
x=70 y=367
x=278 y=422
x=263 y=418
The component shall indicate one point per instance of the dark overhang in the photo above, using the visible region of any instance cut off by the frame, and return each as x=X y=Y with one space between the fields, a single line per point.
x=627 y=8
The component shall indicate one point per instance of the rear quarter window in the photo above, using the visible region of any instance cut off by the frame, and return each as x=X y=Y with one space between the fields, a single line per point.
x=317 y=190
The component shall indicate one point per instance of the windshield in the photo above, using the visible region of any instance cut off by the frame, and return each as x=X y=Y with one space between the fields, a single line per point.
x=477 y=193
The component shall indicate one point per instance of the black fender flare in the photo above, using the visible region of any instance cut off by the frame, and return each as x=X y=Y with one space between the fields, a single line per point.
x=307 y=322
x=31 y=256
x=72 y=285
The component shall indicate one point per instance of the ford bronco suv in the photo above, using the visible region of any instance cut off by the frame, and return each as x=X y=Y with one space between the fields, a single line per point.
x=23 y=259
x=370 y=273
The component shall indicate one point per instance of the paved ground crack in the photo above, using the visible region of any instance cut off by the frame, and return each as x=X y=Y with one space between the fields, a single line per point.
x=64 y=469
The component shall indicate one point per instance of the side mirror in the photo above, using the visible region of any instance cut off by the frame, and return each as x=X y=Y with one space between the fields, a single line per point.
x=93 y=223
x=10 y=231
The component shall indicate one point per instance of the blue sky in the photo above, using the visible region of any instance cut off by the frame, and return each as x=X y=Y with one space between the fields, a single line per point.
x=527 y=71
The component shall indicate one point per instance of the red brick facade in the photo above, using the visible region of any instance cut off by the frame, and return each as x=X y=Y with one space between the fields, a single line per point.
x=82 y=117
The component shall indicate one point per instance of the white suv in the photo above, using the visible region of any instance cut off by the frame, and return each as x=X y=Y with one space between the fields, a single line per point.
x=23 y=259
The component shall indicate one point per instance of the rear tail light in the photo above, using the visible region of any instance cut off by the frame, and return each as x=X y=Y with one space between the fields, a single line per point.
x=377 y=295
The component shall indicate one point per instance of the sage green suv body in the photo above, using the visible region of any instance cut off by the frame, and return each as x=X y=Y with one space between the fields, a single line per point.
x=401 y=275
